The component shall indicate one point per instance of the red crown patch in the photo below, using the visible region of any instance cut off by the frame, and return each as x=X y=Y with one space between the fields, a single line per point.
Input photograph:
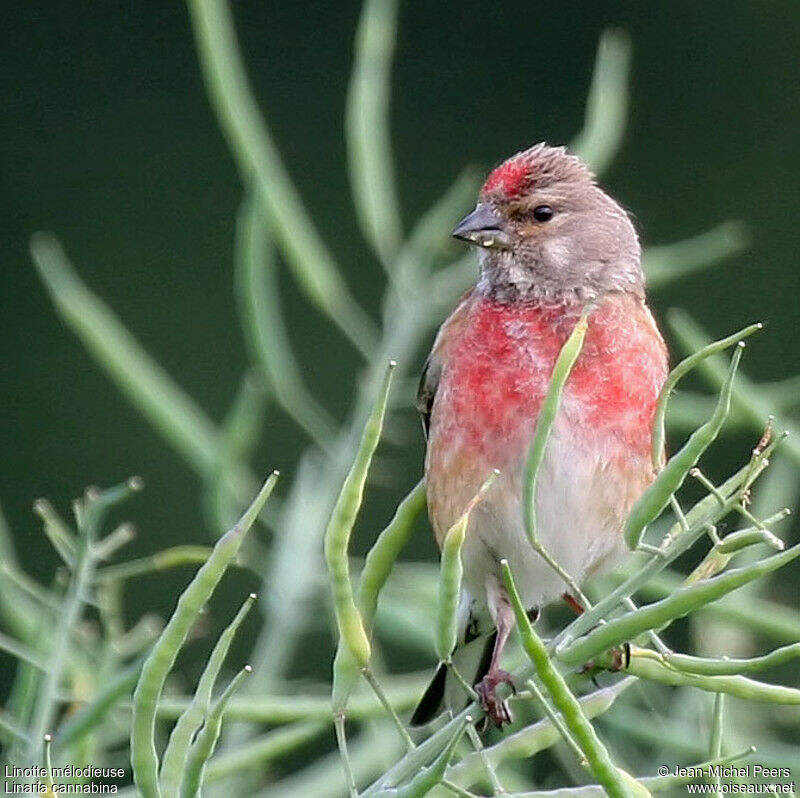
x=510 y=177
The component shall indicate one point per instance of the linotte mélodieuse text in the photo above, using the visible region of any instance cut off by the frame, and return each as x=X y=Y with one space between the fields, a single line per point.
x=66 y=772
x=13 y=786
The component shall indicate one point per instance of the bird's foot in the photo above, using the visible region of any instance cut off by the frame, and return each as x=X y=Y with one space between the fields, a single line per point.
x=496 y=708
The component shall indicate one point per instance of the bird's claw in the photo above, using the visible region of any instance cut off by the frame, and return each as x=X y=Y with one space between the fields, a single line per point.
x=496 y=708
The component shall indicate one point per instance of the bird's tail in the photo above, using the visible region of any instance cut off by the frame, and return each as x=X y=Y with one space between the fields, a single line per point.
x=445 y=690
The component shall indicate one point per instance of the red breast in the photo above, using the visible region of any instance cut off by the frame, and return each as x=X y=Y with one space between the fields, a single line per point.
x=497 y=360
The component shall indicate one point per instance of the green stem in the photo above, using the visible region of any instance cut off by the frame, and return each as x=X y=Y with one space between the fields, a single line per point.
x=544 y=423
x=676 y=542
x=607 y=103
x=653 y=501
x=173 y=557
x=257 y=156
x=491 y=773
x=206 y=741
x=555 y=719
x=581 y=729
x=432 y=775
x=369 y=152
x=22 y=652
x=176 y=754
x=341 y=742
x=92 y=713
x=384 y=552
x=340 y=527
x=451 y=573
x=653 y=668
x=77 y=595
x=144 y=758
x=57 y=531
x=377 y=567
x=256 y=283
x=149 y=388
x=760 y=615
x=725 y=666
x=753 y=403
x=522 y=744
x=717 y=728
x=269 y=747
x=667 y=263
x=390 y=710
x=680 y=603
x=401 y=692
x=678 y=373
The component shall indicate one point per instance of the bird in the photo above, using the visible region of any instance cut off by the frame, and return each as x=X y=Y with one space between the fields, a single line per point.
x=552 y=246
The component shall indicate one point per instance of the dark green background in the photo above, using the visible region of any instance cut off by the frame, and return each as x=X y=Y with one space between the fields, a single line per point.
x=109 y=141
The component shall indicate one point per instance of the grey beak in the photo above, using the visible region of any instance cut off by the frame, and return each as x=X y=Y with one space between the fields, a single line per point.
x=482 y=227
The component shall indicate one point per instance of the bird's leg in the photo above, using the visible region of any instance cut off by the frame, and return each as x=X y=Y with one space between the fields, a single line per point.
x=496 y=709
x=573 y=603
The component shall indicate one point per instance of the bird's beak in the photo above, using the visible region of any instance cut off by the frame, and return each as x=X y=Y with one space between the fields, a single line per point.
x=483 y=228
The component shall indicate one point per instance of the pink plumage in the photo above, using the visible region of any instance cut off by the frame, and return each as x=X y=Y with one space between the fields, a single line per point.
x=497 y=363
x=551 y=245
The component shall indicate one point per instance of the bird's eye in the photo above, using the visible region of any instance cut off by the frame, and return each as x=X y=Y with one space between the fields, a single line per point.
x=542 y=213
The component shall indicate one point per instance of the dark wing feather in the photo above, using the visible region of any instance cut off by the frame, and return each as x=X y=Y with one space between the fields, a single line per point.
x=430 y=704
x=426 y=393
x=432 y=370
x=432 y=701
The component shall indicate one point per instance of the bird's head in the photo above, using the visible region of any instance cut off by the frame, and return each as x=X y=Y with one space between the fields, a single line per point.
x=545 y=230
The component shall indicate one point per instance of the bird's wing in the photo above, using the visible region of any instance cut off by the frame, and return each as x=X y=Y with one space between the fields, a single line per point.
x=426 y=393
x=445 y=691
x=432 y=370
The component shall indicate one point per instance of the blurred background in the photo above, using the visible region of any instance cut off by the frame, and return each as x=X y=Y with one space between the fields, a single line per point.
x=109 y=141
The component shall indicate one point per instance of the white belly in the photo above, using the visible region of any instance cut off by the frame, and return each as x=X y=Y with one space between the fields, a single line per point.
x=581 y=503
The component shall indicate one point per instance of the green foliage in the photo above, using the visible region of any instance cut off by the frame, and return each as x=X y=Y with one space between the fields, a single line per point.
x=161 y=658
x=451 y=576
x=576 y=724
x=92 y=684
